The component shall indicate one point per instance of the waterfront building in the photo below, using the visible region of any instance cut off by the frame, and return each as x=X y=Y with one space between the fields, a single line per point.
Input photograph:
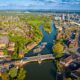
x=29 y=46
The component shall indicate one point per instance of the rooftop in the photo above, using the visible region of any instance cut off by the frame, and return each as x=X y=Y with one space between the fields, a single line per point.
x=4 y=39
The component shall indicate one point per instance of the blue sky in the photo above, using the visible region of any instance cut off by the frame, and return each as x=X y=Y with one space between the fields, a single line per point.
x=40 y=4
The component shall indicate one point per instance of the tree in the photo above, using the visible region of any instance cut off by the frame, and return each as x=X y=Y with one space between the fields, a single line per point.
x=58 y=49
x=5 y=76
x=21 y=74
x=13 y=72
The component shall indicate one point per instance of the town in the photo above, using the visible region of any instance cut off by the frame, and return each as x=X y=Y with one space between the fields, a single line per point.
x=21 y=42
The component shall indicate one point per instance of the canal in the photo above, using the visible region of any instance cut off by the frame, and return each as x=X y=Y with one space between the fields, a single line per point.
x=47 y=69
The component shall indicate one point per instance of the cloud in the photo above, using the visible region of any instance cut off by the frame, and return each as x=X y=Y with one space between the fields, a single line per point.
x=40 y=4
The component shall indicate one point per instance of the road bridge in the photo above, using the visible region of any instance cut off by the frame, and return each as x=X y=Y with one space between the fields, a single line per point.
x=39 y=58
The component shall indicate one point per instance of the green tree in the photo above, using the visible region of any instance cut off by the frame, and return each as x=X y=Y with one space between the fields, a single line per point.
x=21 y=74
x=13 y=72
x=58 y=49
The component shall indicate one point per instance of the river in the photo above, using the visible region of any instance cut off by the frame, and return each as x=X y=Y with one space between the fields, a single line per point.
x=46 y=70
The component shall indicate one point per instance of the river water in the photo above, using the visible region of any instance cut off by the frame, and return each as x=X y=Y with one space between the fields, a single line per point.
x=44 y=71
x=47 y=69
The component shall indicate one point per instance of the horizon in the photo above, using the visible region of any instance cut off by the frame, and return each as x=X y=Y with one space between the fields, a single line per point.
x=40 y=4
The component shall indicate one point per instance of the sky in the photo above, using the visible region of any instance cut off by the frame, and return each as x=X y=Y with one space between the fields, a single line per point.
x=40 y=4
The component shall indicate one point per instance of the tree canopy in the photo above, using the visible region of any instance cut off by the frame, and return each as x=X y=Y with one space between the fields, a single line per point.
x=21 y=74
x=58 y=49
x=13 y=72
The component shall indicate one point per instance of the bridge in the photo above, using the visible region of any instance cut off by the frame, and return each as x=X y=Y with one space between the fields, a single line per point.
x=39 y=58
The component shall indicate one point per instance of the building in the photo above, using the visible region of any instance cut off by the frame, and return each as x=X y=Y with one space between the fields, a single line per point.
x=61 y=35
x=3 y=32
x=66 y=61
x=3 y=42
x=29 y=46
x=1 y=53
x=73 y=44
x=2 y=45
x=11 y=47
x=58 y=18
x=11 y=44
x=21 y=54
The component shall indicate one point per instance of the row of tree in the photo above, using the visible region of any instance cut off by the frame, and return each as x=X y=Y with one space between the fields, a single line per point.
x=14 y=74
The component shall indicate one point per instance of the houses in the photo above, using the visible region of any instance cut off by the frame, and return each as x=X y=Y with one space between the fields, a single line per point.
x=11 y=47
x=61 y=35
x=21 y=54
x=3 y=42
x=2 y=32
x=2 y=45
x=1 y=53
x=73 y=46
x=12 y=44
x=66 y=61
x=76 y=73
x=8 y=48
x=57 y=17
x=74 y=43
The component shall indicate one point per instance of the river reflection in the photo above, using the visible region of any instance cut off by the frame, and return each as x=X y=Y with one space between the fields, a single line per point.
x=44 y=71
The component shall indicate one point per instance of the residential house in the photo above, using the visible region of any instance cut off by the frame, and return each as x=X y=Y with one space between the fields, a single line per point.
x=3 y=42
x=1 y=53
x=21 y=54
x=3 y=32
x=73 y=45
x=11 y=47
x=76 y=73
x=12 y=44
x=61 y=35
x=66 y=61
